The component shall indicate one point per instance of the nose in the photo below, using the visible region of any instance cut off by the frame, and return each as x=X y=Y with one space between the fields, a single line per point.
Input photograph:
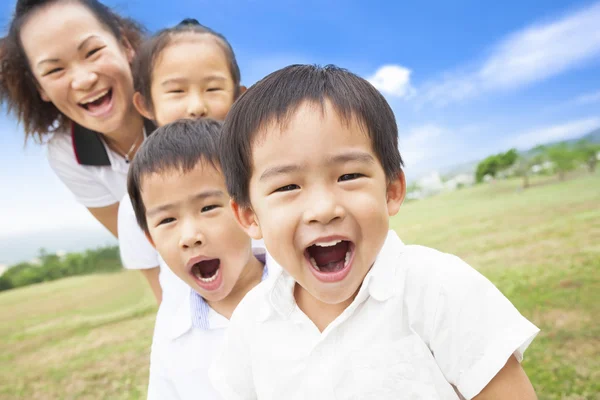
x=323 y=207
x=197 y=107
x=190 y=234
x=83 y=79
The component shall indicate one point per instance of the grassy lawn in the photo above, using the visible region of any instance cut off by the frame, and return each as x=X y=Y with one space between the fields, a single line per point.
x=89 y=337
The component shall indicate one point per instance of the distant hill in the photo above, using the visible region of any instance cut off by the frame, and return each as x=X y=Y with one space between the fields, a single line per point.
x=470 y=167
x=24 y=247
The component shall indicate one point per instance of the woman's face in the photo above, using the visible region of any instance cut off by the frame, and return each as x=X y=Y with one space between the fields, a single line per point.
x=80 y=66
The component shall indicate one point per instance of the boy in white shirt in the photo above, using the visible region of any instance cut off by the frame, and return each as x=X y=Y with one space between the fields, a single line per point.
x=311 y=160
x=180 y=201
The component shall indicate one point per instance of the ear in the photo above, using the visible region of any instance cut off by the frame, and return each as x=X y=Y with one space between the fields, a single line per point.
x=43 y=94
x=150 y=239
x=140 y=105
x=243 y=89
x=246 y=219
x=396 y=191
x=129 y=51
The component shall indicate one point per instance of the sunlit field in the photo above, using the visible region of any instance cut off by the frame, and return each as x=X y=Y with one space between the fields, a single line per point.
x=89 y=337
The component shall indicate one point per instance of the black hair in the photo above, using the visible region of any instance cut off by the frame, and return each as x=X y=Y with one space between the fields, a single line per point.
x=275 y=99
x=179 y=145
x=149 y=52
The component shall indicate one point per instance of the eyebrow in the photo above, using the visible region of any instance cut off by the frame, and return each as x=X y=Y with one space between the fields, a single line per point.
x=53 y=60
x=180 y=80
x=200 y=196
x=358 y=156
x=279 y=170
x=82 y=44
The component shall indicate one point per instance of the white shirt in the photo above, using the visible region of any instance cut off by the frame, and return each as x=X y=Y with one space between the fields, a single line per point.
x=422 y=322
x=182 y=355
x=92 y=186
x=137 y=252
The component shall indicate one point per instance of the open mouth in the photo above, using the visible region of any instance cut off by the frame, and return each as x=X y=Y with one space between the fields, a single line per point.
x=330 y=260
x=99 y=103
x=206 y=271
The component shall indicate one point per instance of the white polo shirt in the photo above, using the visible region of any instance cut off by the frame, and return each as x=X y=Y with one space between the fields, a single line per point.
x=96 y=175
x=182 y=355
x=422 y=323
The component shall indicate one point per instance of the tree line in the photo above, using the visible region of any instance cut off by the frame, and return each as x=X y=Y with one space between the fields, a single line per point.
x=562 y=158
x=51 y=267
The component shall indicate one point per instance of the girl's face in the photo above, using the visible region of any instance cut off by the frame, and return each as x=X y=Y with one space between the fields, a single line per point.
x=191 y=79
x=80 y=66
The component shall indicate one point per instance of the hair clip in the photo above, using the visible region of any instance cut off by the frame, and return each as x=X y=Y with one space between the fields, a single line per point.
x=189 y=22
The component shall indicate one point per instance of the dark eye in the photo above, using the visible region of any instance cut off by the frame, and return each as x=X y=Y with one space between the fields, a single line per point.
x=208 y=208
x=94 y=51
x=175 y=91
x=52 y=71
x=166 y=221
x=349 y=177
x=213 y=89
x=287 y=188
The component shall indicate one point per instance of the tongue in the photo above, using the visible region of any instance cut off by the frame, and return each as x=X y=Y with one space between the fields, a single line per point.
x=208 y=268
x=331 y=258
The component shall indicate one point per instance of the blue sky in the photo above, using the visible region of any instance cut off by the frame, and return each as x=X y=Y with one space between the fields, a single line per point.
x=465 y=78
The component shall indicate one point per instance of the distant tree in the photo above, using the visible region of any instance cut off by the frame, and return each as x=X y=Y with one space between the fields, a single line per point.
x=52 y=267
x=563 y=157
x=507 y=160
x=587 y=152
x=493 y=164
x=523 y=165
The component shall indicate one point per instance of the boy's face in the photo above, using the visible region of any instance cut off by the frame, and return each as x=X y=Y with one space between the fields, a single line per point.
x=193 y=228
x=321 y=201
x=191 y=79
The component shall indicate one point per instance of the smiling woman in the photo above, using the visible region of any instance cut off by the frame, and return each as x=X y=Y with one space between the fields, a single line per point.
x=65 y=72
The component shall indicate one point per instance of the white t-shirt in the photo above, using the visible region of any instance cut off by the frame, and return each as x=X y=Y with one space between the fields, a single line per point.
x=183 y=351
x=422 y=323
x=92 y=186
x=137 y=252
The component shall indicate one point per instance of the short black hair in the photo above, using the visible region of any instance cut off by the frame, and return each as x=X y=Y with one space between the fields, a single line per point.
x=150 y=50
x=179 y=145
x=275 y=99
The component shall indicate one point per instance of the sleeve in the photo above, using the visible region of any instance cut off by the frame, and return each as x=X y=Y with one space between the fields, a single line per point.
x=231 y=370
x=78 y=179
x=475 y=328
x=136 y=250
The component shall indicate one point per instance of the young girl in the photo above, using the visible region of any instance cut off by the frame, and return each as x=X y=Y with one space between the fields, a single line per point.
x=190 y=72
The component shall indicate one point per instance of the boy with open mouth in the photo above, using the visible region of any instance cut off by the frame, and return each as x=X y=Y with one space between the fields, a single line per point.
x=311 y=160
x=178 y=193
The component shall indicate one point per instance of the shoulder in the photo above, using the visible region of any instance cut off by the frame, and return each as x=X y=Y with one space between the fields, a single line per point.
x=424 y=263
x=60 y=147
x=255 y=303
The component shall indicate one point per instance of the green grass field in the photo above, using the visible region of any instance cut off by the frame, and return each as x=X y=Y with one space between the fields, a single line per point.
x=89 y=337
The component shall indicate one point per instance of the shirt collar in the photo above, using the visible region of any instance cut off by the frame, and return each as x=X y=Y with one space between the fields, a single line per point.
x=89 y=147
x=193 y=311
x=380 y=282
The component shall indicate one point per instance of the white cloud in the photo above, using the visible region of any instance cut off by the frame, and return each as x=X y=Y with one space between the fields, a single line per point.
x=542 y=135
x=420 y=144
x=392 y=80
x=533 y=54
x=588 y=98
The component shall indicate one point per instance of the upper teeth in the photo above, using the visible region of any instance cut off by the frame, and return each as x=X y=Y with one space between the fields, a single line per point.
x=95 y=97
x=328 y=244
